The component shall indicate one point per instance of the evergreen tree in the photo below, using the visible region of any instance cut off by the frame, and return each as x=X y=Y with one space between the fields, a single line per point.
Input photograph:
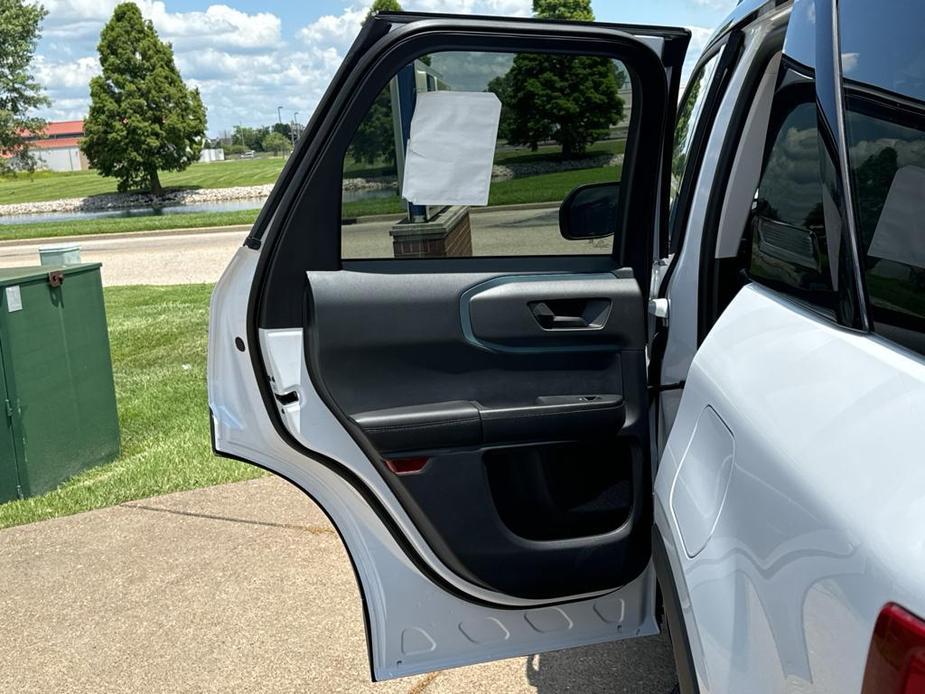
x=143 y=118
x=384 y=6
x=571 y=100
x=19 y=92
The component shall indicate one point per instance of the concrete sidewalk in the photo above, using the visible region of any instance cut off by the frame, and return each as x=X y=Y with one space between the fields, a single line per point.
x=241 y=587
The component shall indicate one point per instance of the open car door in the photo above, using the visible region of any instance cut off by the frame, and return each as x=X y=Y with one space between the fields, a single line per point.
x=461 y=388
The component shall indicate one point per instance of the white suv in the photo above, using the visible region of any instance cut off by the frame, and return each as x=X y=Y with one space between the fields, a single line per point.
x=692 y=394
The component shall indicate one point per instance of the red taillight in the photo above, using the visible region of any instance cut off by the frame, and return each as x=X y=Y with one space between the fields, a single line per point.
x=896 y=661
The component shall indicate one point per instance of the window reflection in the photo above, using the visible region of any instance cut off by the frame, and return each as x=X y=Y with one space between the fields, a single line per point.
x=886 y=154
x=789 y=249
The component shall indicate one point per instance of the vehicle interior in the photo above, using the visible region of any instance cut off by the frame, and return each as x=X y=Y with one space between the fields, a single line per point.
x=500 y=389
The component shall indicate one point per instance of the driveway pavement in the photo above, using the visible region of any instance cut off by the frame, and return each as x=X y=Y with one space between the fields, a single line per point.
x=240 y=587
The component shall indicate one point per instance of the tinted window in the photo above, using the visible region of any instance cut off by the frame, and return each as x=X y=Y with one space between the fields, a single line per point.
x=564 y=123
x=800 y=43
x=883 y=61
x=789 y=248
x=882 y=47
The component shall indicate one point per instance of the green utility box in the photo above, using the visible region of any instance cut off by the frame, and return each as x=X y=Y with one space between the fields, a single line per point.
x=56 y=384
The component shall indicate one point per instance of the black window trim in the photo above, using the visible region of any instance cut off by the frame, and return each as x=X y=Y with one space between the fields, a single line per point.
x=853 y=305
x=731 y=47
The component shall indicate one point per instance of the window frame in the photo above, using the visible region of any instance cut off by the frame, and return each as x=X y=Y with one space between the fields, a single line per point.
x=729 y=48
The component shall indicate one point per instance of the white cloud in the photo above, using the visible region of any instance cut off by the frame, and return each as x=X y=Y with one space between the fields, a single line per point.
x=699 y=38
x=216 y=25
x=509 y=8
x=725 y=5
x=68 y=75
x=244 y=63
x=219 y=25
x=337 y=31
x=849 y=62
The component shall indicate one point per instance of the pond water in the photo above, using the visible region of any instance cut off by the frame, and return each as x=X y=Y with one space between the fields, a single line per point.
x=214 y=206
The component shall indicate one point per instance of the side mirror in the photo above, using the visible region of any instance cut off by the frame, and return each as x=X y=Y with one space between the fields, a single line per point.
x=589 y=211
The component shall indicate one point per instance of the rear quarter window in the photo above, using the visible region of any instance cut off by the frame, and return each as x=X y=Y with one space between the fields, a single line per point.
x=883 y=65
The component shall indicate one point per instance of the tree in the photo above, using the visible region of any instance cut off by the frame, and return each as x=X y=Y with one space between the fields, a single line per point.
x=276 y=143
x=572 y=100
x=575 y=10
x=284 y=129
x=143 y=118
x=384 y=6
x=19 y=92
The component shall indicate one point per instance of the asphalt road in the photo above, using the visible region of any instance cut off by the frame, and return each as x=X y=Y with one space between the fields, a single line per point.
x=200 y=256
x=240 y=587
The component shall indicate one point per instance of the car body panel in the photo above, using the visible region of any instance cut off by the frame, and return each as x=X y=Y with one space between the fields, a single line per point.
x=821 y=524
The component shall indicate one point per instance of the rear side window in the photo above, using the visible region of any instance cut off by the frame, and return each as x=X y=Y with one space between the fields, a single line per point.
x=535 y=128
x=883 y=63
x=789 y=249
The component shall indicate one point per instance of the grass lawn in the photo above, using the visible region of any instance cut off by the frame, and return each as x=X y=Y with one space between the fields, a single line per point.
x=54 y=185
x=543 y=188
x=112 y=225
x=158 y=337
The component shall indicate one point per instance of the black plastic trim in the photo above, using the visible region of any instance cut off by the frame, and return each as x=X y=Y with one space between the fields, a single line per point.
x=671 y=602
x=852 y=306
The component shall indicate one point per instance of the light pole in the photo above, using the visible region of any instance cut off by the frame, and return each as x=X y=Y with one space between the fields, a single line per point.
x=279 y=114
x=292 y=128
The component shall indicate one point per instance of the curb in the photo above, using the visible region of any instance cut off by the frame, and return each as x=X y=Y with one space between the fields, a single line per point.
x=246 y=227
x=123 y=235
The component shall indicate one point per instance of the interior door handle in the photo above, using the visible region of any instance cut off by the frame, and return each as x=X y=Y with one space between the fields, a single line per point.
x=550 y=320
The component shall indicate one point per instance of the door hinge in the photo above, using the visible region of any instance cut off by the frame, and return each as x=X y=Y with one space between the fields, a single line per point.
x=9 y=409
x=659 y=308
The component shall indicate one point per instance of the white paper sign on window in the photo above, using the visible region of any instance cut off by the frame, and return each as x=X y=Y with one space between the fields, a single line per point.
x=451 y=148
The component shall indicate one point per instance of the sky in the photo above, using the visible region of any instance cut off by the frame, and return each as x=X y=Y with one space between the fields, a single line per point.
x=249 y=57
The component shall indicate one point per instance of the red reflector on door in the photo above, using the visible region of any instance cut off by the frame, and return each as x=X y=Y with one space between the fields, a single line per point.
x=406 y=466
x=896 y=661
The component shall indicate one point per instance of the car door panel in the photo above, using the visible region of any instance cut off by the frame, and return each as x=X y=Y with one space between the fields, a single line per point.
x=419 y=614
x=475 y=428
x=543 y=445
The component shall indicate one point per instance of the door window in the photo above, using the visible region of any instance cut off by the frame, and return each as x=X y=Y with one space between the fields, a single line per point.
x=563 y=128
